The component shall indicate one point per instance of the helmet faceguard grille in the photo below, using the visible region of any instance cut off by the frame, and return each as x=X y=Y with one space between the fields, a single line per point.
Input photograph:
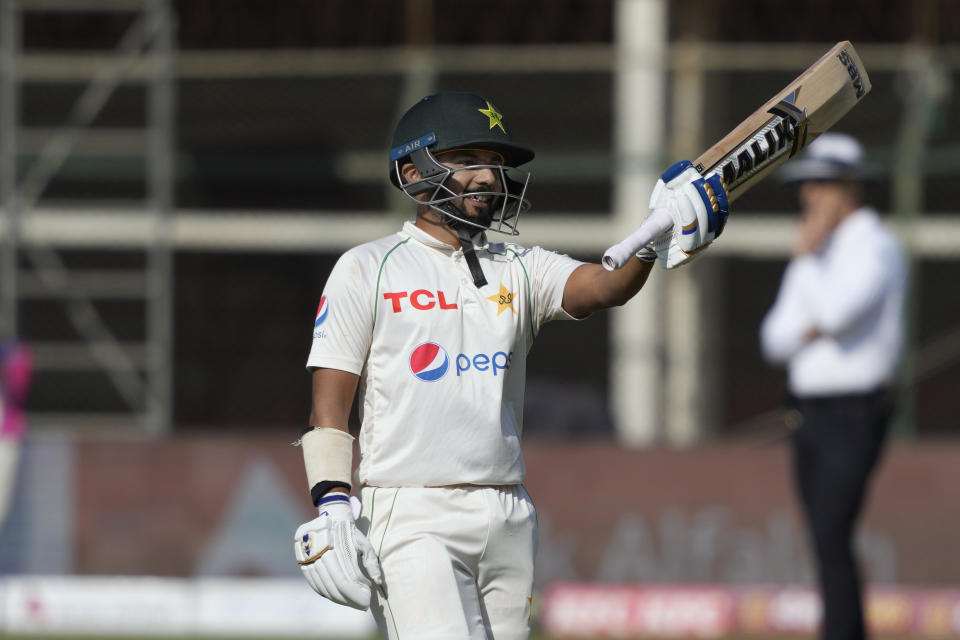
x=508 y=203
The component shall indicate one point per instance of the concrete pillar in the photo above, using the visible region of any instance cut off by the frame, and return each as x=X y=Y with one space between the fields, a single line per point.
x=636 y=375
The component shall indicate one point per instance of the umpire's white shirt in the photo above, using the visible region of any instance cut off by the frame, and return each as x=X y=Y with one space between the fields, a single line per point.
x=441 y=363
x=852 y=291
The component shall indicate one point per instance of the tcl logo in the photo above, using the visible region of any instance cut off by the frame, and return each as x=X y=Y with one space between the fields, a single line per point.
x=420 y=299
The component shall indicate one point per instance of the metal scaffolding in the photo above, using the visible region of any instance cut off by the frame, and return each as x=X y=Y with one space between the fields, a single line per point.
x=657 y=357
x=140 y=372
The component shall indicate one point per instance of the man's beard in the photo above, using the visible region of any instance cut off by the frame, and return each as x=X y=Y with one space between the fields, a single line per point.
x=483 y=219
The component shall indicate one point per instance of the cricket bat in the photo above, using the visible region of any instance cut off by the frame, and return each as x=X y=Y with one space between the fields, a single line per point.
x=770 y=136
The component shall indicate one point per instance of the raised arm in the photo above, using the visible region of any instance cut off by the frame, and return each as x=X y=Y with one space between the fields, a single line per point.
x=688 y=213
x=592 y=288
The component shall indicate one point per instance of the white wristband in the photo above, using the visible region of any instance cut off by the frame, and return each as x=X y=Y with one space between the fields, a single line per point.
x=327 y=455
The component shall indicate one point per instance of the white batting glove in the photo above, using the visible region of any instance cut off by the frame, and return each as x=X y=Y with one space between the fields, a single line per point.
x=335 y=557
x=698 y=207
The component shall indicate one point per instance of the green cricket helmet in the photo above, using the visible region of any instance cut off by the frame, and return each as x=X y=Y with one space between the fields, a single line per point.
x=460 y=120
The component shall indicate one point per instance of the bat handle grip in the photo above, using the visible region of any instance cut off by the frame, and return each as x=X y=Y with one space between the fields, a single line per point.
x=657 y=223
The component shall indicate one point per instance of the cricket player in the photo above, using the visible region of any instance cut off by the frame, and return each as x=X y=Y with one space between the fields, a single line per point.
x=431 y=326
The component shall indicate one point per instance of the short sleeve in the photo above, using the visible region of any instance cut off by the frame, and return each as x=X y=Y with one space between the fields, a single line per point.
x=343 y=325
x=548 y=272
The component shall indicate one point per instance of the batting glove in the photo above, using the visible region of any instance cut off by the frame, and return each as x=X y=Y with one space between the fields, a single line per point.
x=699 y=208
x=335 y=557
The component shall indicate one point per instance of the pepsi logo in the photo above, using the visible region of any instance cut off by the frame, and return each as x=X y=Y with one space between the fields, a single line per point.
x=322 y=310
x=429 y=362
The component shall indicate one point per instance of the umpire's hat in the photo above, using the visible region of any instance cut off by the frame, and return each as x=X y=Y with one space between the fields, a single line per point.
x=831 y=157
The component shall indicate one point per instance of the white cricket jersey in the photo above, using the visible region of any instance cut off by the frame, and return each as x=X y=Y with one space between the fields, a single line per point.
x=853 y=292
x=442 y=363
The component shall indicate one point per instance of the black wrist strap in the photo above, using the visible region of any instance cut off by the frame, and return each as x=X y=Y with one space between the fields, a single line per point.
x=321 y=488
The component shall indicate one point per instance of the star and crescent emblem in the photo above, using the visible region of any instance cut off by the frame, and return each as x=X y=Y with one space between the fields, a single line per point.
x=496 y=118
x=504 y=300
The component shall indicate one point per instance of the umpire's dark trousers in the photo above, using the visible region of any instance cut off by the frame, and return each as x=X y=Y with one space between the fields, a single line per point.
x=835 y=448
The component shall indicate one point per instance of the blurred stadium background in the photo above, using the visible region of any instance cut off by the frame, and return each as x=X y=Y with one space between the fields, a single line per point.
x=178 y=176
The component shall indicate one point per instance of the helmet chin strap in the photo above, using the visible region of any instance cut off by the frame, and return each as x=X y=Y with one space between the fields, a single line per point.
x=466 y=244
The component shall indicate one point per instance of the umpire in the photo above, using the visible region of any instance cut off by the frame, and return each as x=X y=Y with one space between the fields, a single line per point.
x=837 y=326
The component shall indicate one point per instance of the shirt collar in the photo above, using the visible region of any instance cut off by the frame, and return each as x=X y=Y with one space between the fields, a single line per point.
x=411 y=229
x=853 y=222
